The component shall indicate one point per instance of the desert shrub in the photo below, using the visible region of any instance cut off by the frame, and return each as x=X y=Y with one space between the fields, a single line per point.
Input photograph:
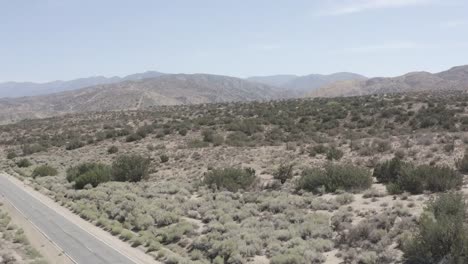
x=88 y=173
x=317 y=149
x=131 y=168
x=23 y=163
x=208 y=135
x=400 y=176
x=334 y=153
x=449 y=147
x=284 y=172
x=44 y=170
x=462 y=164
x=112 y=150
x=388 y=171
x=381 y=145
x=164 y=158
x=11 y=154
x=440 y=178
x=33 y=148
x=183 y=132
x=74 y=144
x=133 y=137
x=345 y=198
x=196 y=143
x=335 y=177
x=410 y=180
x=442 y=235
x=237 y=139
x=218 y=140
x=231 y=179
x=143 y=131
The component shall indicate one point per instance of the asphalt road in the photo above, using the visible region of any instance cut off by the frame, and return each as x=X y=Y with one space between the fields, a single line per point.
x=80 y=245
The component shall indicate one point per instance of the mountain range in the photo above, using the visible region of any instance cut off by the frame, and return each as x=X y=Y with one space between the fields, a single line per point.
x=300 y=85
x=142 y=90
x=19 y=89
x=167 y=89
x=455 y=78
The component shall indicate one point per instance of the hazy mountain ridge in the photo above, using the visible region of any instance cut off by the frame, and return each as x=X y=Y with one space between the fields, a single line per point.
x=300 y=85
x=171 y=89
x=20 y=89
x=455 y=78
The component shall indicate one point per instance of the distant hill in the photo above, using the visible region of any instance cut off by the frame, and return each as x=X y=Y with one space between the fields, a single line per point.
x=171 y=89
x=274 y=80
x=455 y=78
x=300 y=85
x=19 y=89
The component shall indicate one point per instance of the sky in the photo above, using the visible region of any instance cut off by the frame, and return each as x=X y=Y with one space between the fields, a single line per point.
x=45 y=40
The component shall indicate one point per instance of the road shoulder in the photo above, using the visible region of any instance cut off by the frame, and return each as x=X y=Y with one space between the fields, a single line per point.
x=125 y=249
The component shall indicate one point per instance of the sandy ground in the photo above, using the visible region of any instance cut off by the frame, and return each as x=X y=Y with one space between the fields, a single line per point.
x=133 y=253
x=48 y=250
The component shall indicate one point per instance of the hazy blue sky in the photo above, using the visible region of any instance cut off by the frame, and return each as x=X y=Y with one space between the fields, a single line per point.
x=42 y=40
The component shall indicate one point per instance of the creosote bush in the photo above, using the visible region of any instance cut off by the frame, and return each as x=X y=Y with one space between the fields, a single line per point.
x=402 y=176
x=74 y=144
x=89 y=173
x=334 y=153
x=11 y=155
x=231 y=179
x=112 y=150
x=44 y=170
x=23 y=163
x=442 y=235
x=164 y=158
x=462 y=164
x=132 y=168
x=33 y=148
x=335 y=177
x=284 y=172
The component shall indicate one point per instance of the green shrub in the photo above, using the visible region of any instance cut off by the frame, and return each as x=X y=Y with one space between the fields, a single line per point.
x=88 y=173
x=284 y=172
x=112 y=150
x=462 y=164
x=317 y=149
x=74 y=144
x=33 y=148
x=381 y=145
x=44 y=170
x=208 y=135
x=132 y=168
x=410 y=180
x=237 y=139
x=442 y=235
x=183 y=132
x=388 y=171
x=400 y=176
x=196 y=143
x=334 y=154
x=231 y=179
x=440 y=178
x=133 y=137
x=23 y=163
x=335 y=177
x=164 y=158
x=11 y=154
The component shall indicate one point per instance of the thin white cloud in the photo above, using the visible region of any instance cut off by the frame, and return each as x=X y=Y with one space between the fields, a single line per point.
x=454 y=23
x=401 y=45
x=344 y=7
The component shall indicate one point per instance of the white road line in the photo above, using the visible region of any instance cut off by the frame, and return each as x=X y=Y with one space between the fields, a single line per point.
x=40 y=231
x=107 y=244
